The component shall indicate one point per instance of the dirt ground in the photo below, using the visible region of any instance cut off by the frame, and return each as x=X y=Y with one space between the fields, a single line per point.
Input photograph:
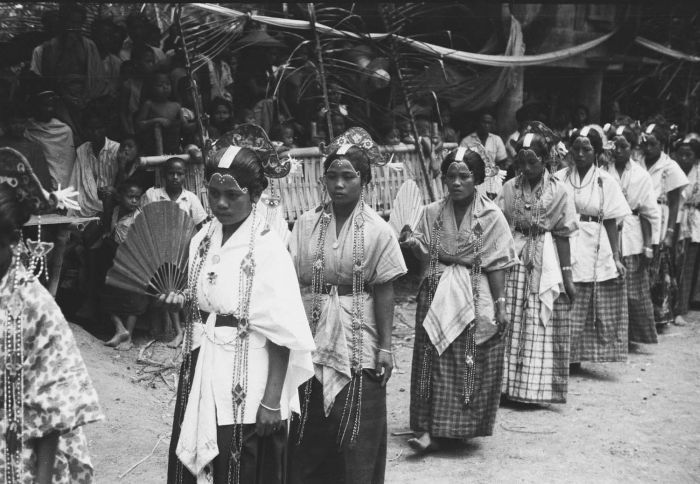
x=627 y=422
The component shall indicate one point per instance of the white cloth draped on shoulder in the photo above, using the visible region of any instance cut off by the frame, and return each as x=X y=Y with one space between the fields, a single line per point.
x=551 y=280
x=666 y=176
x=276 y=315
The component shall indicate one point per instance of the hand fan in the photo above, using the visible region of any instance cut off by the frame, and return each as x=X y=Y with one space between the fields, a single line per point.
x=407 y=207
x=153 y=258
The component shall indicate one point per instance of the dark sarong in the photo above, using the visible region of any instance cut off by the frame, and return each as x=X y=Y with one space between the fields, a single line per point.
x=536 y=358
x=642 y=328
x=663 y=285
x=601 y=334
x=444 y=414
x=262 y=458
x=687 y=270
x=318 y=459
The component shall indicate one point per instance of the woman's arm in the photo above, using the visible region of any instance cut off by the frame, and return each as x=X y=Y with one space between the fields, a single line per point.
x=673 y=197
x=613 y=236
x=497 y=285
x=384 y=316
x=45 y=448
x=564 y=252
x=267 y=421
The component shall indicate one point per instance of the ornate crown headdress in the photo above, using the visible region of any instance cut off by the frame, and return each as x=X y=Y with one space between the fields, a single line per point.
x=355 y=137
x=254 y=137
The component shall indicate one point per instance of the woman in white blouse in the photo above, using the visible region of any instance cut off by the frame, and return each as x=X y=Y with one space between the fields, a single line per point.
x=247 y=344
x=599 y=315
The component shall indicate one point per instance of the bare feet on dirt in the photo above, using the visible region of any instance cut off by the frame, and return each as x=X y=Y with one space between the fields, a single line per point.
x=118 y=339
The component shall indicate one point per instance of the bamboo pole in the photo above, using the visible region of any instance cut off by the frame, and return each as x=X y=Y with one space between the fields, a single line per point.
x=321 y=68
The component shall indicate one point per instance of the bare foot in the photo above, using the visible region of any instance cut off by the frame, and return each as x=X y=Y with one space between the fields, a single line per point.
x=125 y=345
x=423 y=444
x=117 y=339
x=176 y=342
x=679 y=321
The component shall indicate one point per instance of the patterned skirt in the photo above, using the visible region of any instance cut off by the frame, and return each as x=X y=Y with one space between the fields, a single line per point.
x=664 y=287
x=444 y=413
x=686 y=268
x=599 y=327
x=536 y=358
x=642 y=328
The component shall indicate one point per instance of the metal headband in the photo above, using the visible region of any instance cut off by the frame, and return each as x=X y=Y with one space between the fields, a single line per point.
x=650 y=128
x=344 y=148
x=344 y=162
x=228 y=156
x=584 y=131
x=458 y=165
x=620 y=130
x=219 y=178
x=461 y=151
x=528 y=140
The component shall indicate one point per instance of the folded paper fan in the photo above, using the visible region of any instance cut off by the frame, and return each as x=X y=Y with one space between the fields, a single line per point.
x=153 y=258
x=407 y=208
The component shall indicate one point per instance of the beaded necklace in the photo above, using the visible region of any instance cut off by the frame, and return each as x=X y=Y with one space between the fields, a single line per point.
x=13 y=374
x=535 y=218
x=239 y=385
x=475 y=237
x=353 y=400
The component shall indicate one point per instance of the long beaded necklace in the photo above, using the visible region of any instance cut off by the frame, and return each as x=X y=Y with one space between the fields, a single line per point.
x=475 y=238
x=353 y=400
x=13 y=376
x=530 y=247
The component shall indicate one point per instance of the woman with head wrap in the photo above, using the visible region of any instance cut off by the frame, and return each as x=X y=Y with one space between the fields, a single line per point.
x=347 y=257
x=542 y=217
x=639 y=231
x=247 y=343
x=688 y=155
x=599 y=316
x=465 y=244
x=47 y=393
x=669 y=182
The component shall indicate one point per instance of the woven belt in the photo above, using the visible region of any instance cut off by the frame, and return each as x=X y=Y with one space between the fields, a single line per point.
x=343 y=289
x=589 y=218
x=221 y=319
x=530 y=231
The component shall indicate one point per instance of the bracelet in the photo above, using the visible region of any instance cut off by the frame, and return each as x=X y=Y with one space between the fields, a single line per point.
x=386 y=351
x=566 y=269
x=500 y=299
x=270 y=408
x=673 y=231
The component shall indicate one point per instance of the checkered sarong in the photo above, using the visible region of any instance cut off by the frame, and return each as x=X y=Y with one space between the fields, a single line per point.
x=444 y=414
x=605 y=340
x=686 y=270
x=663 y=285
x=536 y=358
x=642 y=328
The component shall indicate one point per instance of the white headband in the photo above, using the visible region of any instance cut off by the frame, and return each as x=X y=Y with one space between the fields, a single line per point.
x=607 y=126
x=650 y=129
x=620 y=130
x=585 y=130
x=344 y=149
x=228 y=156
x=528 y=140
x=461 y=151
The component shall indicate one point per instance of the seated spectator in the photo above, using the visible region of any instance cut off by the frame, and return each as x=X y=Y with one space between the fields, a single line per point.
x=14 y=125
x=96 y=166
x=449 y=133
x=247 y=116
x=70 y=53
x=284 y=134
x=220 y=117
x=158 y=112
x=391 y=137
x=123 y=307
x=53 y=136
x=405 y=131
x=134 y=74
x=492 y=143
x=137 y=26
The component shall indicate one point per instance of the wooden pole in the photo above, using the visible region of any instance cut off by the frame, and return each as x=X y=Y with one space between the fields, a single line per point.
x=321 y=69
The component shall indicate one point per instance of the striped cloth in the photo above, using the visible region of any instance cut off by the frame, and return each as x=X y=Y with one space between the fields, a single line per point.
x=445 y=414
x=686 y=270
x=536 y=357
x=664 y=288
x=642 y=328
x=606 y=339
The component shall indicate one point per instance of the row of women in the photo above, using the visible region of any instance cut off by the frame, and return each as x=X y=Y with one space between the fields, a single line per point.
x=287 y=357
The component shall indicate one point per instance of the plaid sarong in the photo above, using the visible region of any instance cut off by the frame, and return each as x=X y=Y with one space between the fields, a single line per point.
x=642 y=328
x=687 y=274
x=601 y=334
x=664 y=289
x=536 y=358
x=444 y=414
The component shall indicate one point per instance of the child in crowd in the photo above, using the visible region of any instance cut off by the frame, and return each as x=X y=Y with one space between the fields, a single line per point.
x=118 y=303
x=392 y=137
x=187 y=201
x=185 y=96
x=220 y=117
x=141 y=66
x=450 y=134
x=247 y=116
x=284 y=133
x=159 y=112
x=129 y=168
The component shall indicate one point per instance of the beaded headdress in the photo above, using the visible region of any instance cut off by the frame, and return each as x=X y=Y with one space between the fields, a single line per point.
x=254 y=137
x=489 y=164
x=355 y=137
